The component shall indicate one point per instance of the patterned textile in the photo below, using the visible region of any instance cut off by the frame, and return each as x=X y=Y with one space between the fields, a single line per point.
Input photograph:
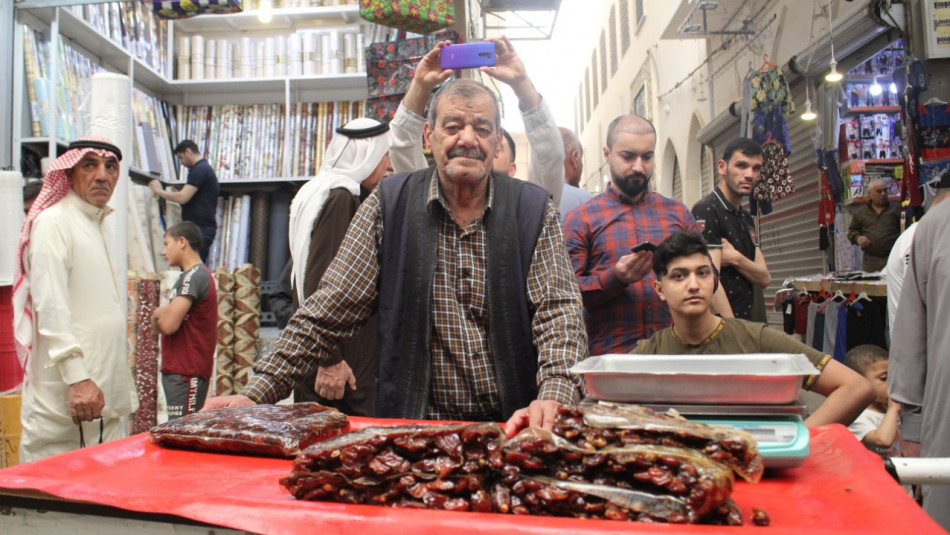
x=775 y=181
x=247 y=321
x=146 y=355
x=224 y=362
x=597 y=234
x=417 y=16
x=55 y=187
x=770 y=101
x=183 y=9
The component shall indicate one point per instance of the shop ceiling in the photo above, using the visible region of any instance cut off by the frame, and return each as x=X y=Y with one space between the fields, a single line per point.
x=700 y=19
x=520 y=19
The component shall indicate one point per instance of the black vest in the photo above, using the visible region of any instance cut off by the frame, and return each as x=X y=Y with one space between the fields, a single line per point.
x=407 y=265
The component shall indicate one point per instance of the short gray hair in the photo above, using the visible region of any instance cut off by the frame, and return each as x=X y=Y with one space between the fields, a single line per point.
x=467 y=89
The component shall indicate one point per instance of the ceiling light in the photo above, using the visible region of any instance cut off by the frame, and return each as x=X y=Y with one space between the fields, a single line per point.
x=833 y=76
x=875 y=88
x=808 y=115
x=892 y=88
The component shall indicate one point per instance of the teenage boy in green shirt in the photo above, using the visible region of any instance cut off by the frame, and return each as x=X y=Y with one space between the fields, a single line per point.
x=686 y=281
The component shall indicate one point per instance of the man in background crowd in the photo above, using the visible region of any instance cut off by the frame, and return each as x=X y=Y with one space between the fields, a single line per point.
x=30 y=191
x=69 y=323
x=572 y=196
x=620 y=305
x=875 y=227
x=356 y=160
x=919 y=368
x=198 y=197
x=730 y=233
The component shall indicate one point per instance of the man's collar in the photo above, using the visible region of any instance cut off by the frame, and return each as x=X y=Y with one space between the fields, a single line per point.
x=724 y=201
x=86 y=208
x=435 y=190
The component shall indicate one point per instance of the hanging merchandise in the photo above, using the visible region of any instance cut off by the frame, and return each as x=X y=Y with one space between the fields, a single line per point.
x=417 y=16
x=934 y=125
x=769 y=101
x=390 y=67
x=183 y=9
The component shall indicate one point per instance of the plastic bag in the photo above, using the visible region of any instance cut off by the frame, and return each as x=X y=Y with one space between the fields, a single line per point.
x=266 y=430
x=607 y=424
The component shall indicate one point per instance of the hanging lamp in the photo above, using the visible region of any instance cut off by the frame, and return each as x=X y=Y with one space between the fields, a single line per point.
x=808 y=115
x=834 y=76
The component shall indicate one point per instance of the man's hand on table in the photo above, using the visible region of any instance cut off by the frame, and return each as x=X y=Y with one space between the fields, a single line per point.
x=219 y=402
x=540 y=413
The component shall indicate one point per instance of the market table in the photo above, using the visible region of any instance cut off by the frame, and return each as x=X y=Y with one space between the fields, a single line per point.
x=841 y=487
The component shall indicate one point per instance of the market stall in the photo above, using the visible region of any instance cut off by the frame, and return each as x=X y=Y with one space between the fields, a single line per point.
x=841 y=487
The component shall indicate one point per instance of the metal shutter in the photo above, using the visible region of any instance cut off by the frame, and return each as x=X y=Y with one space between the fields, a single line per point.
x=677 y=180
x=707 y=168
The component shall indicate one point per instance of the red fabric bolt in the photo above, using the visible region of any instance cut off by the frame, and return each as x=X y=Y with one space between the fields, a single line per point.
x=11 y=374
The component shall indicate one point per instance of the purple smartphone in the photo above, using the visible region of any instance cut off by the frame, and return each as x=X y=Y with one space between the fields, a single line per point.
x=468 y=55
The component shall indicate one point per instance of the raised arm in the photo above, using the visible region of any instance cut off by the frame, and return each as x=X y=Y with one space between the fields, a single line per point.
x=546 y=167
x=405 y=130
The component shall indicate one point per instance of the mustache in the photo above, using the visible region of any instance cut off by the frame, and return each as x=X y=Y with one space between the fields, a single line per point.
x=636 y=175
x=467 y=153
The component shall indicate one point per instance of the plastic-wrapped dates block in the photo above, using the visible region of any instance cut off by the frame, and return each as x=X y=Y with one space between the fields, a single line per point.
x=592 y=427
x=419 y=466
x=265 y=430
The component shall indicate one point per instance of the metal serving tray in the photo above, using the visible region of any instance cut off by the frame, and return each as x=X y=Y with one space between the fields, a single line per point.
x=753 y=379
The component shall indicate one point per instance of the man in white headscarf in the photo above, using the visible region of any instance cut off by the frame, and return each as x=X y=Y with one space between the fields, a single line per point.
x=355 y=162
x=68 y=322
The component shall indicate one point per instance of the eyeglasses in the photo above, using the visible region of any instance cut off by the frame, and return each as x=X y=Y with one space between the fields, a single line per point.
x=82 y=439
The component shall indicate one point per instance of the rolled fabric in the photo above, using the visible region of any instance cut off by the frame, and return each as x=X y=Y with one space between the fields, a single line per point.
x=146 y=355
x=247 y=321
x=260 y=225
x=224 y=359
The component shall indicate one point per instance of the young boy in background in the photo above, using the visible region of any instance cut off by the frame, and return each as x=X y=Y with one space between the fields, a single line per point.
x=686 y=281
x=876 y=427
x=188 y=323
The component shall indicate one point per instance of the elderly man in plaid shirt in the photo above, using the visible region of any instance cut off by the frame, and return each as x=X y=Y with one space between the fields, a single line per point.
x=620 y=305
x=480 y=317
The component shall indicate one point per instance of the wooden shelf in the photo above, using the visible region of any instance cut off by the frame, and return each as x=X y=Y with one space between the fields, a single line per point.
x=858 y=110
x=282 y=19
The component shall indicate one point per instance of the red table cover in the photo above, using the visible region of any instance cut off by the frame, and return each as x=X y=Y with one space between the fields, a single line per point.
x=842 y=487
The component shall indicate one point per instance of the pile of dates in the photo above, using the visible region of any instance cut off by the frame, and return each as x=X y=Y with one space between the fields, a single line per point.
x=609 y=462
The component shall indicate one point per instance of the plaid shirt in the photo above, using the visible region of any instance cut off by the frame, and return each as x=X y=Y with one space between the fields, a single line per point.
x=463 y=383
x=597 y=234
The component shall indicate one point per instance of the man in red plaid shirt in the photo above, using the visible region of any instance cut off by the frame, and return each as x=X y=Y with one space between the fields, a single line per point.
x=620 y=305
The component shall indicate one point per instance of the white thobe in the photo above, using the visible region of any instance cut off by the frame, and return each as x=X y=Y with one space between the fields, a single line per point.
x=918 y=372
x=79 y=330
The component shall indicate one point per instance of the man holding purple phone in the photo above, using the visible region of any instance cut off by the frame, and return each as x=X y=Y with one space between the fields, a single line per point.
x=546 y=167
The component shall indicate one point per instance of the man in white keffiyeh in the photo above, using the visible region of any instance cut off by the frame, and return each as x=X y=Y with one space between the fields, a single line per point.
x=356 y=160
x=68 y=322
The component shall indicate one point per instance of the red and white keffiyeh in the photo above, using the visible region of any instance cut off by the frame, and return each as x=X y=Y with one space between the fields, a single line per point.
x=55 y=187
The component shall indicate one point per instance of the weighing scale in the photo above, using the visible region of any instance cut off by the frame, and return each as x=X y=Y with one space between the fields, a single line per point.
x=778 y=430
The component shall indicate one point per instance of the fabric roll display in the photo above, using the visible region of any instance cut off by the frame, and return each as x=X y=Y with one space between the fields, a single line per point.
x=247 y=321
x=260 y=225
x=224 y=361
x=146 y=355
